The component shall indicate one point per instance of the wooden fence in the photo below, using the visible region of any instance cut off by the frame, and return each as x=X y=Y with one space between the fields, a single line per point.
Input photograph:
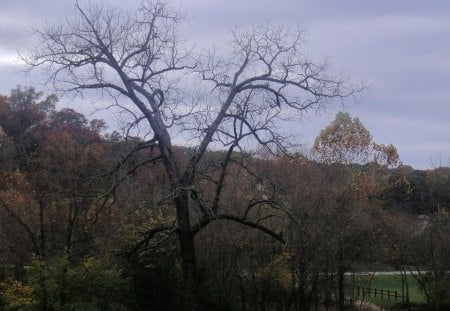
x=367 y=292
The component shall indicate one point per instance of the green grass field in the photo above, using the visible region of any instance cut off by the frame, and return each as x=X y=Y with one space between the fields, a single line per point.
x=392 y=283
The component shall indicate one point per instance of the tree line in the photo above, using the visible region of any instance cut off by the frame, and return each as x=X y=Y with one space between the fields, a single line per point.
x=88 y=223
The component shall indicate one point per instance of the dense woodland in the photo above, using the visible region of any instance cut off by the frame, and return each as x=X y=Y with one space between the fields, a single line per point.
x=86 y=215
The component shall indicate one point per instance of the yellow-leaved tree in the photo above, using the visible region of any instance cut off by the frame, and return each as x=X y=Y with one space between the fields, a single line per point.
x=357 y=164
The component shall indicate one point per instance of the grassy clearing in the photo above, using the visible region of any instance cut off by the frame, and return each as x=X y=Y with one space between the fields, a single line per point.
x=392 y=283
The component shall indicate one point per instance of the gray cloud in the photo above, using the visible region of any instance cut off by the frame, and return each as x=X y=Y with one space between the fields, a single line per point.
x=400 y=48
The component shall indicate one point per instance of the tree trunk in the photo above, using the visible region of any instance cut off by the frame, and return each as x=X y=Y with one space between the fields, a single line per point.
x=188 y=258
x=341 y=292
x=341 y=273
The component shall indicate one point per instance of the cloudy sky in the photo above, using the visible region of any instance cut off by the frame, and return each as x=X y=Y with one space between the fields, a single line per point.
x=400 y=49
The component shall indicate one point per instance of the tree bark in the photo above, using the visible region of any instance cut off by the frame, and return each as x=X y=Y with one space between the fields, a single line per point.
x=341 y=273
x=187 y=248
x=341 y=292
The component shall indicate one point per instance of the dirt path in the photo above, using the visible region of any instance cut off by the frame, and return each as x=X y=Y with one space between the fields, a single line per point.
x=367 y=306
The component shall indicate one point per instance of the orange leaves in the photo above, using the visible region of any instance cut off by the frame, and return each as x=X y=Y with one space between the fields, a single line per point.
x=62 y=155
x=347 y=141
x=15 y=189
x=17 y=203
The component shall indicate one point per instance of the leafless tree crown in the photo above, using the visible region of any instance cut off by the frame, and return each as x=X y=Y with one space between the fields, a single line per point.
x=141 y=61
x=266 y=78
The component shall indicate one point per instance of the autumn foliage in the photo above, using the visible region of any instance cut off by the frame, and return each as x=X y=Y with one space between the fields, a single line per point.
x=86 y=217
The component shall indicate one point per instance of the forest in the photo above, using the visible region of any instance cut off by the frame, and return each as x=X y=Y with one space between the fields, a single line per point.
x=238 y=216
x=86 y=220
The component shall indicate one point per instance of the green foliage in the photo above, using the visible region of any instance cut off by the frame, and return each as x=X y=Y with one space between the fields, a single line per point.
x=153 y=270
x=156 y=279
x=58 y=284
x=436 y=288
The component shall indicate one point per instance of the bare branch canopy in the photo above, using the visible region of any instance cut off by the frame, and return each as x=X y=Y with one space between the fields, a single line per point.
x=214 y=99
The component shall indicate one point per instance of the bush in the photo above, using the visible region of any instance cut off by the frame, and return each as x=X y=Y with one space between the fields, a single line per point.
x=16 y=296
x=59 y=284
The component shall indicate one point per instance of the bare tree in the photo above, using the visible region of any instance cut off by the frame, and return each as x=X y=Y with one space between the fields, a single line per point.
x=140 y=60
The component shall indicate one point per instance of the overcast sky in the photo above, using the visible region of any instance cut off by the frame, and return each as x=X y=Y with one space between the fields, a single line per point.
x=401 y=49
